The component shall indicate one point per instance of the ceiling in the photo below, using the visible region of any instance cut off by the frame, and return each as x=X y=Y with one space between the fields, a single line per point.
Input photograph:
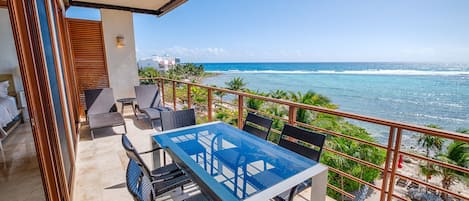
x=156 y=7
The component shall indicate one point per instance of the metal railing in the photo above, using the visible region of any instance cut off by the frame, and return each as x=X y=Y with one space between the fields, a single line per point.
x=392 y=148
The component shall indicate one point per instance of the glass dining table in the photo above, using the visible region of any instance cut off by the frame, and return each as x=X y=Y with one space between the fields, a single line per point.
x=230 y=164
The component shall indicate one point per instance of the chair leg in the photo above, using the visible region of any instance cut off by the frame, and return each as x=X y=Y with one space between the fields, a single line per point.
x=164 y=158
x=125 y=129
x=92 y=134
x=292 y=193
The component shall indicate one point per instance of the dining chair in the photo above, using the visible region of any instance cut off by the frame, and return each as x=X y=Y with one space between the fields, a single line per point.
x=182 y=118
x=142 y=189
x=162 y=173
x=295 y=139
x=256 y=125
x=138 y=186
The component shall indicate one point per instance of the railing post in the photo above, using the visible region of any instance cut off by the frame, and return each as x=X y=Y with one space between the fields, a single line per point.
x=174 y=95
x=395 y=160
x=240 y=111
x=188 y=96
x=162 y=90
x=292 y=115
x=209 y=104
x=384 y=185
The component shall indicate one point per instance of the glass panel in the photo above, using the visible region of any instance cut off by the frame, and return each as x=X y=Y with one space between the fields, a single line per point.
x=240 y=162
x=54 y=84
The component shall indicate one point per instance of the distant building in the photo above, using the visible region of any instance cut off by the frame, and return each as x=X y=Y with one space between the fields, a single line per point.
x=160 y=63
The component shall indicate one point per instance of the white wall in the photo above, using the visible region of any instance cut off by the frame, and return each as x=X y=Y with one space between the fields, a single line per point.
x=121 y=62
x=8 y=58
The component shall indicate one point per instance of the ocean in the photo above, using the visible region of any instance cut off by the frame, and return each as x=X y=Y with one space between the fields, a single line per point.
x=416 y=93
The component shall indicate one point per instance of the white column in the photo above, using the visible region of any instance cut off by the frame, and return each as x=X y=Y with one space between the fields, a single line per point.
x=121 y=61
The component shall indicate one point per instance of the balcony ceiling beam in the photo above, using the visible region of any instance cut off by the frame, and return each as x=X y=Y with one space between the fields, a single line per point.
x=159 y=12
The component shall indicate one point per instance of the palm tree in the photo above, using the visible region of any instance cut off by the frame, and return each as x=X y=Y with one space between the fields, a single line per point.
x=220 y=94
x=430 y=143
x=254 y=103
x=278 y=94
x=457 y=153
x=309 y=98
x=236 y=84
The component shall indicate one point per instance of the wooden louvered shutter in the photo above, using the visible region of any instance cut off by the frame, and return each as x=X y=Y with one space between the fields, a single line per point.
x=89 y=56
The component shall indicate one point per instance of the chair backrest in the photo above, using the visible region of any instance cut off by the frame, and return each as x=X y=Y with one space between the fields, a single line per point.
x=139 y=185
x=294 y=133
x=257 y=125
x=148 y=96
x=99 y=101
x=133 y=155
x=177 y=119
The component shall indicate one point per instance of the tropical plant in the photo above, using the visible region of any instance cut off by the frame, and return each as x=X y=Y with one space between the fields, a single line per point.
x=457 y=153
x=429 y=142
x=148 y=72
x=254 y=103
x=220 y=94
x=236 y=84
x=278 y=94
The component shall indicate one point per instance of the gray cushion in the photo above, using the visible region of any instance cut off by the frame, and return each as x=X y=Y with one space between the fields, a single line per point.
x=154 y=113
x=105 y=120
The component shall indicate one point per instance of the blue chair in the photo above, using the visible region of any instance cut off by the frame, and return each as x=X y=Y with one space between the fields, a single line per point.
x=164 y=172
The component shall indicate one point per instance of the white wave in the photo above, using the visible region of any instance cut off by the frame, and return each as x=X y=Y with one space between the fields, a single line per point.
x=349 y=72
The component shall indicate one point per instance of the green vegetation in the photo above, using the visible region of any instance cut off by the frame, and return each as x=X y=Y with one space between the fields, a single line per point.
x=188 y=71
x=456 y=152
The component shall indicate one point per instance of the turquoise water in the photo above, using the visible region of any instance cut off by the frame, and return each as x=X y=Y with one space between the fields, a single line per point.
x=414 y=93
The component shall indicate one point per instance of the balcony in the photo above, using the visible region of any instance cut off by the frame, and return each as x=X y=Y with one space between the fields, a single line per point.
x=101 y=162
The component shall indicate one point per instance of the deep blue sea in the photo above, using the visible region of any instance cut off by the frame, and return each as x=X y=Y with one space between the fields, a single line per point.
x=415 y=93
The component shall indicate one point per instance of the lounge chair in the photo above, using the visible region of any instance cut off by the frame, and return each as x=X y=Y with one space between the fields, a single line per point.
x=413 y=185
x=101 y=110
x=149 y=102
x=401 y=182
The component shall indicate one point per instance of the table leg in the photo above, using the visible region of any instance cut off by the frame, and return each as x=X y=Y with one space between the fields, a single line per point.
x=319 y=186
x=122 y=108
x=133 y=108
x=156 y=154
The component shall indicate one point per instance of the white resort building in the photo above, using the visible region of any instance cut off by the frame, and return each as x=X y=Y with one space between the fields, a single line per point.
x=160 y=63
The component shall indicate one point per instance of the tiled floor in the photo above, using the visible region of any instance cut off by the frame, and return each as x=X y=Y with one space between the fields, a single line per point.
x=101 y=163
x=20 y=178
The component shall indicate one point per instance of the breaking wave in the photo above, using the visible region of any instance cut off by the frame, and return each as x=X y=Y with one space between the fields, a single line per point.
x=349 y=72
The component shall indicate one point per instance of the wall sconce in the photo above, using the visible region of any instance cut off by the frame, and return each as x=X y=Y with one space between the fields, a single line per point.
x=120 y=42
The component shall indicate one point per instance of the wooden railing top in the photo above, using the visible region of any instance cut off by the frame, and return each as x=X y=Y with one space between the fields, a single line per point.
x=406 y=126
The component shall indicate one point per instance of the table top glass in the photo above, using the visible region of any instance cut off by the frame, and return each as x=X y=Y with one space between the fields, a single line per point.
x=218 y=153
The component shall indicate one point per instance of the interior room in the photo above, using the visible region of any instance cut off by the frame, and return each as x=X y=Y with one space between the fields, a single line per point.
x=18 y=159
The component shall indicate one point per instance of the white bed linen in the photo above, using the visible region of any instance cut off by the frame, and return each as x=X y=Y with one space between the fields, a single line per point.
x=8 y=110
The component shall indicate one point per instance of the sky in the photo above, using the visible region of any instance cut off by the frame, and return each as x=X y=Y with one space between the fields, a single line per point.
x=305 y=31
